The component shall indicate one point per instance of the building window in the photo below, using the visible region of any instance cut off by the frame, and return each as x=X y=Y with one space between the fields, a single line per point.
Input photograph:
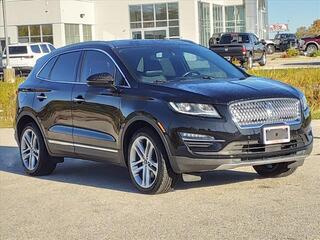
x=235 y=18
x=217 y=11
x=72 y=33
x=35 y=33
x=87 y=32
x=154 y=21
x=204 y=22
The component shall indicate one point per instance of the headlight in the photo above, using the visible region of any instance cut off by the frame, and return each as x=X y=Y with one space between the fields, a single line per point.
x=203 y=110
x=304 y=103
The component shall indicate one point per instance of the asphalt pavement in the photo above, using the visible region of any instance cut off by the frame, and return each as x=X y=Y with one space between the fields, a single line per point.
x=88 y=200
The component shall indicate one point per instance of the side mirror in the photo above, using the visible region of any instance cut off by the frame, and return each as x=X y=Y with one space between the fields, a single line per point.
x=101 y=80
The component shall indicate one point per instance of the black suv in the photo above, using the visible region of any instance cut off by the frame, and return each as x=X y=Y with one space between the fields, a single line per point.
x=284 y=41
x=161 y=108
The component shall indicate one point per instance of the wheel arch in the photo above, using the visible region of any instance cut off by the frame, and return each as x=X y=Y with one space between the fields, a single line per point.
x=312 y=43
x=139 y=122
x=23 y=119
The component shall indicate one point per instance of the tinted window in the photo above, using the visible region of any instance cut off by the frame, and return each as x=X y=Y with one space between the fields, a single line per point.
x=45 y=72
x=35 y=48
x=18 y=50
x=234 y=38
x=65 y=67
x=44 y=48
x=160 y=63
x=95 y=62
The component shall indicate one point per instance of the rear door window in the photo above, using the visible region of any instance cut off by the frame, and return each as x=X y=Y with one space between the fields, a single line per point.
x=44 y=48
x=35 y=48
x=45 y=72
x=65 y=68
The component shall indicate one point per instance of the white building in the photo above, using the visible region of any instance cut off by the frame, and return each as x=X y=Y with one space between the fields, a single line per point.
x=63 y=22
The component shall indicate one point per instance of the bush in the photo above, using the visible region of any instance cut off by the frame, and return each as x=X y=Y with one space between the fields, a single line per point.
x=292 y=52
x=315 y=54
x=305 y=79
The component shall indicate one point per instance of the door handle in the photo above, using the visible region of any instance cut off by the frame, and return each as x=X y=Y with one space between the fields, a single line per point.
x=41 y=97
x=78 y=99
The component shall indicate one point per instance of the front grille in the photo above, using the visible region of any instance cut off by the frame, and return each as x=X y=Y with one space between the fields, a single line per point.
x=256 y=113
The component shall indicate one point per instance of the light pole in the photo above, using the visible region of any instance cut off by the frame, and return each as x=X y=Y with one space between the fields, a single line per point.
x=9 y=73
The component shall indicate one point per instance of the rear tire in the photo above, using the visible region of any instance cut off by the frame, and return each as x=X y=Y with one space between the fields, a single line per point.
x=149 y=169
x=249 y=62
x=274 y=170
x=263 y=60
x=34 y=155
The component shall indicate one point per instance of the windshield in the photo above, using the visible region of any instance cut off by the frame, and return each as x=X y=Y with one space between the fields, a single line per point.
x=234 y=38
x=158 y=63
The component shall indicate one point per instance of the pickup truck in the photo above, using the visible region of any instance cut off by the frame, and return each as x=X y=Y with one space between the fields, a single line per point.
x=244 y=47
x=310 y=44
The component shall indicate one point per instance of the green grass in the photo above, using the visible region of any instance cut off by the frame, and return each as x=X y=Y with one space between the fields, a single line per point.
x=307 y=80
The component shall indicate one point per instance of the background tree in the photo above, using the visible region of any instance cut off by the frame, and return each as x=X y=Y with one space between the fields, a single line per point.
x=314 y=29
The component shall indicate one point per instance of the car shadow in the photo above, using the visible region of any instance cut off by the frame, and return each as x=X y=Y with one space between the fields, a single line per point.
x=103 y=175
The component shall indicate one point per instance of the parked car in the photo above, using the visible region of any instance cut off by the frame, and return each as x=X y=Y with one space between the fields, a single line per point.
x=284 y=41
x=245 y=47
x=310 y=44
x=23 y=56
x=161 y=108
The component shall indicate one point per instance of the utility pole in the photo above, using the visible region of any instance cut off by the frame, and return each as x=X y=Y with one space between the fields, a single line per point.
x=8 y=72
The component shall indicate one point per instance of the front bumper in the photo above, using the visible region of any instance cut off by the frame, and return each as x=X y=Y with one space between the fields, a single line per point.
x=187 y=165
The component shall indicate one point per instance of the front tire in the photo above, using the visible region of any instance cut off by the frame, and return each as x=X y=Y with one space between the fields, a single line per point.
x=34 y=155
x=275 y=170
x=148 y=166
x=271 y=49
x=312 y=48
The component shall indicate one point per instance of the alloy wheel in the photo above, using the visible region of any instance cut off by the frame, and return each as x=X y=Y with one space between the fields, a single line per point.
x=30 y=149
x=143 y=162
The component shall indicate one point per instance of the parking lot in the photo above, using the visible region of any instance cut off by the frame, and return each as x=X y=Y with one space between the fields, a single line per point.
x=96 y=201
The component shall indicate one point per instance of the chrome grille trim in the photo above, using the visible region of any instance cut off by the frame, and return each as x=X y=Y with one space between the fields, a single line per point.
x=256 y=113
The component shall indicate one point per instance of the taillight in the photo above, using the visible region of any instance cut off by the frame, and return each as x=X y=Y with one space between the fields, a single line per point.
x=244 y=50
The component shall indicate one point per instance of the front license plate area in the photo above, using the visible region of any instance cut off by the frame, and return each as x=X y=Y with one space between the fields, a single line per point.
x=276 y=134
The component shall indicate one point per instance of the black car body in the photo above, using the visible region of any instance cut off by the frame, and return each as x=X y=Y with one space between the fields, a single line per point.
x=194 y=110
x=284 y=41
x=245 y=47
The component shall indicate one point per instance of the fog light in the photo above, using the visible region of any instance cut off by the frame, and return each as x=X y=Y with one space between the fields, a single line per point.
x=195 y=137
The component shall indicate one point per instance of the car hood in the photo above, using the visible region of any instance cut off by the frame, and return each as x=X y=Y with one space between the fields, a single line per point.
x=221 y=91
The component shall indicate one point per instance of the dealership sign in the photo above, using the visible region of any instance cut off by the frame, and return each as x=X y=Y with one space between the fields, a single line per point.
x=279 y=27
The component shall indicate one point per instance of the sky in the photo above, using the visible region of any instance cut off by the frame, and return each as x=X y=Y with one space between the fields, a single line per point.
x=296 y=13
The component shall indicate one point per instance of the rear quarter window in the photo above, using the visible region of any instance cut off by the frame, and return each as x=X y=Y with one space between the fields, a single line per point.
x=45 y=72
x=18 y=50
x=65 y=67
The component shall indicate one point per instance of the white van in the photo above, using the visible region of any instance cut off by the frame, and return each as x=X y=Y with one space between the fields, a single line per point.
x=23 y=56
